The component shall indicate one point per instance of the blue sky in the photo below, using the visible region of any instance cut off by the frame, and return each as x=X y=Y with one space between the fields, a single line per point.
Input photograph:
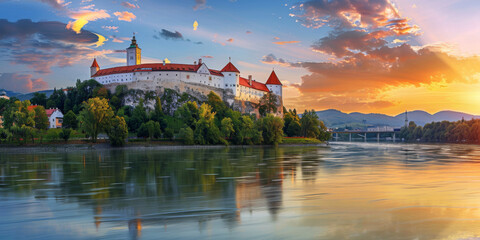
x=346 y=54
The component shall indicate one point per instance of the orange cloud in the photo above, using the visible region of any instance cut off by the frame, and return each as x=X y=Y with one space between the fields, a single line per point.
x=230 y=40
x=285 y=42
x=125 y=16
x=83 y=17
x=195 y=26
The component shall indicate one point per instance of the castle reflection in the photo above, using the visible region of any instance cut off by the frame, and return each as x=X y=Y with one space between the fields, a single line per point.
x=158 y=188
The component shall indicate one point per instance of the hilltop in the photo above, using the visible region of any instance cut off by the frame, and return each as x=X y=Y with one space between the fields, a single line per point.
x=334 y=118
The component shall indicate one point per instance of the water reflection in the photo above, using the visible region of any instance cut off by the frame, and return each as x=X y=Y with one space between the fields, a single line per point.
x=348 y=191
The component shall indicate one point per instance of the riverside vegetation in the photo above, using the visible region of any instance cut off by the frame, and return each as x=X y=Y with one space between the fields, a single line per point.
x=91 y=109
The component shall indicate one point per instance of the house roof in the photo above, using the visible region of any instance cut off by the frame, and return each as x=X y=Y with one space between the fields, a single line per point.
x=95 y=64
x=49 y=111
x=273 y=79
x=255 y=84
x=230 y=68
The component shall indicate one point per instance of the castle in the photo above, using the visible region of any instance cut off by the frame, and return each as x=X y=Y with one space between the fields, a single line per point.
x=227 y=80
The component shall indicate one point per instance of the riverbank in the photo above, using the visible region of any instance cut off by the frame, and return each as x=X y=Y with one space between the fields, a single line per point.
x=136 y=146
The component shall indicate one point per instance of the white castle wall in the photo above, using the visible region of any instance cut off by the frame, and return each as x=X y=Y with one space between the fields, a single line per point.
x=161 y=78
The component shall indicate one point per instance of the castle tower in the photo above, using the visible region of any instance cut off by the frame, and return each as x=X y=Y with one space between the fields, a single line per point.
x=94 y=68
x=275 y=86
x=134 y=53
x=231 y=77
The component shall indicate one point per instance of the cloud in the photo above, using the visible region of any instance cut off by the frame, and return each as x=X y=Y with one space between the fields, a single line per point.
x=116 y=39
x=248 y=32
x=42 y=45
x=129 y=5
x=285 y=42
x=200 y=4
x=81 y=17
x=347 y=43
x=207 y=56
x=125 y=16
x=387 y=67
x=343 y=14
x=230 y=40
x=272 y=59
x=195 y=26
x=170 y=35
x=113 y=28
x=57 y=4
x=396 y=40
x=165 y=34
x=23 y=83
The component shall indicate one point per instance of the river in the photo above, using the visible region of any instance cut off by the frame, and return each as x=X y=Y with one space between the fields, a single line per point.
x=343 y=191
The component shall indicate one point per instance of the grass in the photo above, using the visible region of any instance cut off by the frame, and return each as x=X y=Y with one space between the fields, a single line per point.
x=300 y=140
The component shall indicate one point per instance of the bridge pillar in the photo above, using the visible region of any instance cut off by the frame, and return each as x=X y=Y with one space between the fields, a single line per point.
x=350 y=137
x=378 y=137
x=365 y=138
x=393 y=137
x=336 y=137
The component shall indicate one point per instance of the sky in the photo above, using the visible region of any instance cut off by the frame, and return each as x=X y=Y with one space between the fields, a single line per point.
x=369 y=56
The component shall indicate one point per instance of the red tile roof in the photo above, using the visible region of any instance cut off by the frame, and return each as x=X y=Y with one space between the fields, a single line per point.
x=273 y=79
x=49 y=111
x=230 y=68
x=95 y=64
x=31 y=107
x=255 y=85
x=150 y=67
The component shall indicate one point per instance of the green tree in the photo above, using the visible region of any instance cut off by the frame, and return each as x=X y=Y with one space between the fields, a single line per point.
x=70 y=120
x=117 y=131
x=95 y=116
x=65 y=134
x=157 y=113
x=292 y=125
x=139 y=116
x=41 y=119
x=227 y=127
x=246 y=132
x=310 y=124
x=206 y=132
x=19 y=115
x=268 y=104
x=188 y=113
x=272 y=129
x=186 y=134
x=39 y=99
x=169 y=133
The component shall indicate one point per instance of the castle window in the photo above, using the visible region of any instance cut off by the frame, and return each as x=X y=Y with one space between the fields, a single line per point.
x=229 y=74
x=210 y=78
x=188 y=76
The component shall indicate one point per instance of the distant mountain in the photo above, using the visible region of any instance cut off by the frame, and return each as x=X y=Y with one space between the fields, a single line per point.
x=25 y=96
x=28 y=96
x=334 y=118
x=10 y=93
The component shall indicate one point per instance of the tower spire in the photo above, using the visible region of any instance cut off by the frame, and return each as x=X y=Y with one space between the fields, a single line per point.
x=406 y=118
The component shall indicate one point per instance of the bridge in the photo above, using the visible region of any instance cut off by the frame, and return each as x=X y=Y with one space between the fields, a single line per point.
x=363 y=133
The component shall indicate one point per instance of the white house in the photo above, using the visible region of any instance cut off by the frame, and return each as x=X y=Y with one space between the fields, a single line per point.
x=55 y=118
